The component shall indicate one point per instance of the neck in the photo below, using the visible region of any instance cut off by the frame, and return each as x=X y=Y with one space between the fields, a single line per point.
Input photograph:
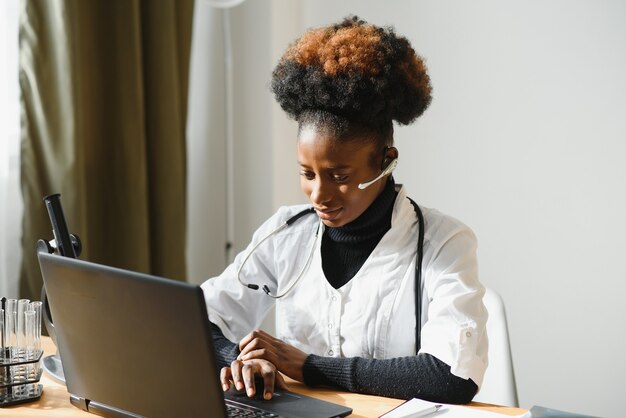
x=345 y=249
x=375 y=220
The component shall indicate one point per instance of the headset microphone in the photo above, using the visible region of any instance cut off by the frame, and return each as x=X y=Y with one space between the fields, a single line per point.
x=392 y=166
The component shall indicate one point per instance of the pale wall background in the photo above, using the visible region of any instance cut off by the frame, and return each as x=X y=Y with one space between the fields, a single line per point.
x=525 y=142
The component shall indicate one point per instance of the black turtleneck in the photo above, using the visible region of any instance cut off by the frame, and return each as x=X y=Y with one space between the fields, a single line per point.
x=345 y=249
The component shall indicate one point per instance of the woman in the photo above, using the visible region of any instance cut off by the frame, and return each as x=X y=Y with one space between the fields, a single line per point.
x=342 y=276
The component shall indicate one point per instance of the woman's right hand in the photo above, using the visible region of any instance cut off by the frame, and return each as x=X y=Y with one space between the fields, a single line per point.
x=241 y=374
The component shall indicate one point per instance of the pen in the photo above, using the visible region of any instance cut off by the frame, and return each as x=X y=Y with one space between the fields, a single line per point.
x=424 y=412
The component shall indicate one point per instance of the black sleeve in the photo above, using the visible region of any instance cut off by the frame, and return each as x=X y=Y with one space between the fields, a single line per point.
x=422 y=376
x=225 y=350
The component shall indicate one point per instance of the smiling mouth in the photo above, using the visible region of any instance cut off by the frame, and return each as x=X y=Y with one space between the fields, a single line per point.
x=328 y=215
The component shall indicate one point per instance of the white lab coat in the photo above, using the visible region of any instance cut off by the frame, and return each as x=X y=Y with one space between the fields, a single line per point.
x=373 y=315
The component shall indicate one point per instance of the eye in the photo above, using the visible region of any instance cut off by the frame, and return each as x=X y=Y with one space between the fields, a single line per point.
x=307 y=174
x=340 y=178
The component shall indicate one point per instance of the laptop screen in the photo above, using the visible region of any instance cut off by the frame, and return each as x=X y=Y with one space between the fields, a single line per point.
x=137 y=342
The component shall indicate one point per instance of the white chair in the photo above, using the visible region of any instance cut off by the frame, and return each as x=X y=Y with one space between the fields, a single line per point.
x=499 y=383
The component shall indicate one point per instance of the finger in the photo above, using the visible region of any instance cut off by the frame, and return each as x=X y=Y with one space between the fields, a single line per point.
x=246 y=340
x=253 y=344
x=269 y=374
x=280 y=381
x=225 y=377
x=257 y=333
x=235 y=369
x=261 y=353
x=256 y=343
x=248 y=372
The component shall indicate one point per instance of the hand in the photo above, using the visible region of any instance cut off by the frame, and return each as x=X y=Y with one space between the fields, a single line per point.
x=261 y=345
x=242 y=373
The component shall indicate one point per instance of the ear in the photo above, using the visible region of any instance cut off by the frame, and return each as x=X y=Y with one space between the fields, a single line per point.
x=391 y=153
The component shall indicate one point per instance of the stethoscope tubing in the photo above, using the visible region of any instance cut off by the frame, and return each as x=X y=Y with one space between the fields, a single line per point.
x=282 y=226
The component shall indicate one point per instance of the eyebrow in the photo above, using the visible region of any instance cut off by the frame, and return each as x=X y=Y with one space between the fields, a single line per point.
x=334 y=167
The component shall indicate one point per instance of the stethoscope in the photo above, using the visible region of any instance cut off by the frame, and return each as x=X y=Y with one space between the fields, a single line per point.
x=418 y=264
x=284 y=225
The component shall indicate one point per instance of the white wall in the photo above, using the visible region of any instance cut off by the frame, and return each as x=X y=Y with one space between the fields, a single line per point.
x=206 y=150
x=265 y=162
x=11 y=205
x=524 y=141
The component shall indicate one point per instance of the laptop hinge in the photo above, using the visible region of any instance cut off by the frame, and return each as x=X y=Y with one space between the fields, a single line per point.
x=78 y=402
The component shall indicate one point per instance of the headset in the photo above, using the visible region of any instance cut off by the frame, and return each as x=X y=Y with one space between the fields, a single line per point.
x=388 y=169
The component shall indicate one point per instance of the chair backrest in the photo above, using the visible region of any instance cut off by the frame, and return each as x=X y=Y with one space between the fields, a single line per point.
x=499 y=383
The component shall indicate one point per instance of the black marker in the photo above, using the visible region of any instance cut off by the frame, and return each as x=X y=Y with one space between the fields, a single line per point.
x=4 y=318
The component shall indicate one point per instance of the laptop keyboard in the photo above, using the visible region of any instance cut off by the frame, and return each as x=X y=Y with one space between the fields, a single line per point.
x=246 y=411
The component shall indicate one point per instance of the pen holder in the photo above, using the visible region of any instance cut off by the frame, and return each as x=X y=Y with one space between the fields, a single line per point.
x=20 y=353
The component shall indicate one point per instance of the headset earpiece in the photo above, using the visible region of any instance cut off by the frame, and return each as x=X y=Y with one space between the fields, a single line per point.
x=388 y=169
x=389 y=155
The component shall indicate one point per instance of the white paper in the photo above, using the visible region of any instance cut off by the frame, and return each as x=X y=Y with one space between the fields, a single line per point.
x=414 y=406
x=457 y=411
x=409 y=409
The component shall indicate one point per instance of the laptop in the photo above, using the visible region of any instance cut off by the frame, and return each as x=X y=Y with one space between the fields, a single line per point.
x=135 y=345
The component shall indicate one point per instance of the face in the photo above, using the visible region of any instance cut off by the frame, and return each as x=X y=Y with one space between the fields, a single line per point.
x=330 y=172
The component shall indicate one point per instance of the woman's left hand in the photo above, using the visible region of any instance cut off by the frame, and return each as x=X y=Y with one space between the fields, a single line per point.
x=261 y=345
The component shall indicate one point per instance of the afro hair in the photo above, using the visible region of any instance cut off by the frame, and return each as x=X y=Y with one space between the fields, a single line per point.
x=354 y=70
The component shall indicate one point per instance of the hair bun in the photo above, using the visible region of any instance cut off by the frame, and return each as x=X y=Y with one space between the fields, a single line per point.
x=353 y=69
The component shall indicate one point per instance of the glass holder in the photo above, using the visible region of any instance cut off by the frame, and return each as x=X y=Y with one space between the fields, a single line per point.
x=20 y=372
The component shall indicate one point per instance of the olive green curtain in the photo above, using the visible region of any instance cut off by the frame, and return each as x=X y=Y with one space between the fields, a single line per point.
x=104 y=95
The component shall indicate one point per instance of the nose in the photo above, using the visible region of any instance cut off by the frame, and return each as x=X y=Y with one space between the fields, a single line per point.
x=321 y=192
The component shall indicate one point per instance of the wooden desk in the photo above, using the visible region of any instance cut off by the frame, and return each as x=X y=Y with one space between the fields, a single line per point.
x=55 y=401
